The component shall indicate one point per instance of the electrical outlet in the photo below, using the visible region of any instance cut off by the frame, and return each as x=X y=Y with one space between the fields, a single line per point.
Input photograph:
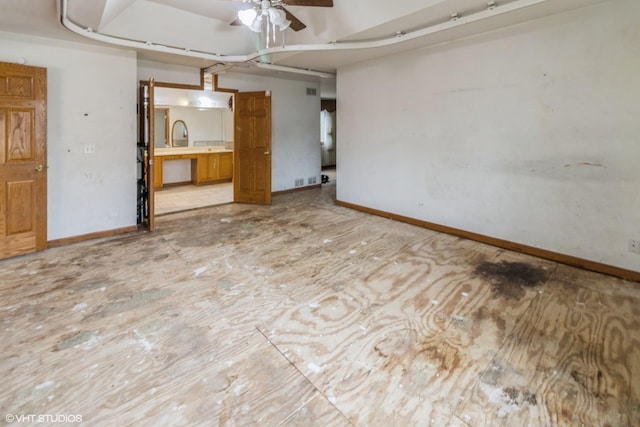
x=634 y=246
x=89 y=148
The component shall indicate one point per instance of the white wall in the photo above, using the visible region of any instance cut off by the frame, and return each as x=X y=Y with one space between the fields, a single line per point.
x=328 y=88
x=529 y=133
x=91 y=100
x=168 y=73
x=295 y=126
x=228 y=131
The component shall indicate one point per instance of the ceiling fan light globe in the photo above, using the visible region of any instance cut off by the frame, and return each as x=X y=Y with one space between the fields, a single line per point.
x=286 y=24
x=256 y=26
x=277 y=16
x=247 y=16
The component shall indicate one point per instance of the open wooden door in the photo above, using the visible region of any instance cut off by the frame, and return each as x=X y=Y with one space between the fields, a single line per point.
x=252 y=148
x=147 y=135
x=23 y=159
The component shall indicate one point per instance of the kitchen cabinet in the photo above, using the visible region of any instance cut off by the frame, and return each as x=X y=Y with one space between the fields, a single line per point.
x=212 y=167
x=225 y=163
x=157 y=172
x=206 y=166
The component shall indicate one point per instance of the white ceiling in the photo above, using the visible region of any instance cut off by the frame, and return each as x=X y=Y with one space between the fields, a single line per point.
x=197 y=32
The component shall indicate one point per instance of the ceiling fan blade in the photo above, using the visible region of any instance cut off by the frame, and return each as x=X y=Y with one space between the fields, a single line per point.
x=319 y=3
x=296 y=24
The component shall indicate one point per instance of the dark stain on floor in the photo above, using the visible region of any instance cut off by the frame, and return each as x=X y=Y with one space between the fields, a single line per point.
x=512 y=394
x=509 y=279
x=519 y=397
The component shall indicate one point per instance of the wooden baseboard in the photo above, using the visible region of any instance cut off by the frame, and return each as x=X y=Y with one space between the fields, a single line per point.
x=98 y=235
x=505 y=244
x=295 y=190
x=173 y=184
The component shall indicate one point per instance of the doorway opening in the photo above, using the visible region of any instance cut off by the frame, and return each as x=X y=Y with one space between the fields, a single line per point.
x=244 y=161
x=328 y=133
x=193 y=149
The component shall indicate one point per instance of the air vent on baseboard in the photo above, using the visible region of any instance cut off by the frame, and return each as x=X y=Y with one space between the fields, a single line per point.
x=311 y=91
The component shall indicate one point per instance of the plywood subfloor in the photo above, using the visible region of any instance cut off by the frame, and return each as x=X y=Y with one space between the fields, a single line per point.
x=305 y=313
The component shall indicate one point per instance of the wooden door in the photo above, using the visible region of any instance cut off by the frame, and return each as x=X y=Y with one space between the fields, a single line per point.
x=23 y=159
x=252 y=148
x=147 y=135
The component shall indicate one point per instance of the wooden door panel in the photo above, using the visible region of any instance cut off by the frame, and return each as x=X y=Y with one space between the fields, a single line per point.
x=15 y=85
x=157 y=172
x=21 y=143
x=18 y=244
x=252 y=146
x=261 y=174
x=23 y=173
x=20 y=207
x=3 y=136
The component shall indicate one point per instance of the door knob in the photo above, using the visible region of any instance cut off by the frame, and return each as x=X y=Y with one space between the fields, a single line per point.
x=266 y=153
x=39 y=168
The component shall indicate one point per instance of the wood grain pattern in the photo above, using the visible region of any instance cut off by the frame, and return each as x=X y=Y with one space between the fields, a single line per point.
x=22 y=87
x=23 y=171
x=20 y=207
x=319 y=3
x=307 y=313
x=21 y=141
x=317 y=412
x=400 y=344
x=17 y=244
x=18 y=86
x=573 y=359
x=3 y=136
x=252 y=148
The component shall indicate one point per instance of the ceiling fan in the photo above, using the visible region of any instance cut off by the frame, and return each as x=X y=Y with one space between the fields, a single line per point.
x=276 y=7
